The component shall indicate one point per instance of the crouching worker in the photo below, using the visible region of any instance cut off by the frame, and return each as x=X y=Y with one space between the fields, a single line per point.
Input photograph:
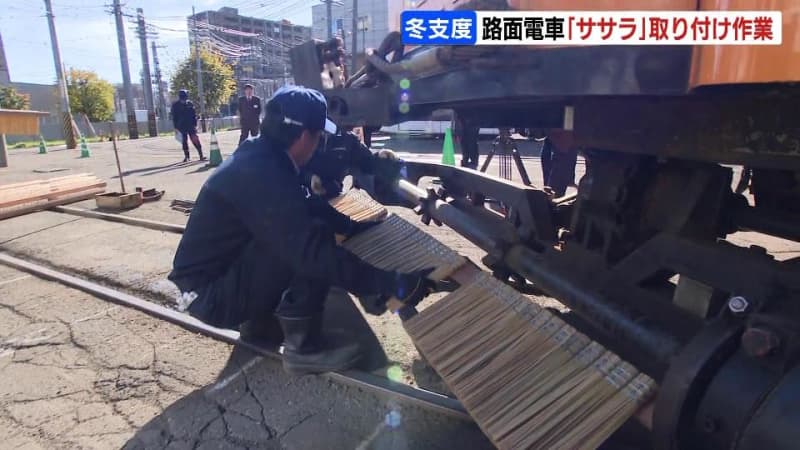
x=258 y=248
x=343 y=155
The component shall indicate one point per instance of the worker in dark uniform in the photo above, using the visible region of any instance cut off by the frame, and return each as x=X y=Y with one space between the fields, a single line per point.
x=184 y=119
x=249 y=113
x=257 y=243
x=467 y=134
x=559 y=158
x=345 y=155
x=546 y=158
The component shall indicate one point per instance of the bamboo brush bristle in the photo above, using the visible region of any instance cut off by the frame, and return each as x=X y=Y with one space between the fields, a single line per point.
x=395 y=244
x=530 y=380
x=359 y=206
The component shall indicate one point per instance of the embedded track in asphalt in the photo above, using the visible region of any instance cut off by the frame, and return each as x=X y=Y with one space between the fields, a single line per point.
x=382 y=386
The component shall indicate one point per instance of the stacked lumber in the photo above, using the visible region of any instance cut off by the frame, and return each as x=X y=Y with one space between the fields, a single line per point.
x=30 y=196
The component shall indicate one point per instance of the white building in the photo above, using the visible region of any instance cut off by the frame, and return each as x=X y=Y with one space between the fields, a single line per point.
x=374 y=22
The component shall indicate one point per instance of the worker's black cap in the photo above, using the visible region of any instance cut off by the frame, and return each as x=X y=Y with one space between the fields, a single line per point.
x=183 y=94
x=302 y=107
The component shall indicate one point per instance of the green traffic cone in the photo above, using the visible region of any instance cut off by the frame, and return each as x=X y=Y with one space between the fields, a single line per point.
x=448 y=152
x=214 y=155
x=84 y=148
x=42 y=146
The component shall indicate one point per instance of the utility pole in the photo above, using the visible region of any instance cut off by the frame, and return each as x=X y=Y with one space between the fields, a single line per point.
x=162 y=105
x=364 y=20
x=353 y=67
x=329 y=12
x=200 y=91
x=69 y=125
x=133 y=131
x=147 y=85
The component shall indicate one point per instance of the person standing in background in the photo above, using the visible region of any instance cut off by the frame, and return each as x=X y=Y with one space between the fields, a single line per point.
x=467 y=135
x=249 y=113
x=559 y=157
x=184 y=119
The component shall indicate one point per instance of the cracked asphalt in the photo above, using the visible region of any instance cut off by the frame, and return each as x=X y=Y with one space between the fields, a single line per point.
x=81 y=373
x=77 y=372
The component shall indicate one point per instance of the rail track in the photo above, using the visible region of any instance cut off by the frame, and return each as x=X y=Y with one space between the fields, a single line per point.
x=376 y=384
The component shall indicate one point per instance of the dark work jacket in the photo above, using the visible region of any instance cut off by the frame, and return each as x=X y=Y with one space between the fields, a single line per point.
x=184 y=117
x=256 y=195
x=249 y=111
x=343 y=155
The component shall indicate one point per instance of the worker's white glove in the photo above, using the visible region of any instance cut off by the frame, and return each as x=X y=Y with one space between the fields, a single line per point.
x=316 y=186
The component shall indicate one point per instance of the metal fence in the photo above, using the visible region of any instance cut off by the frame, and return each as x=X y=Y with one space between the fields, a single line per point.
x=53 y=131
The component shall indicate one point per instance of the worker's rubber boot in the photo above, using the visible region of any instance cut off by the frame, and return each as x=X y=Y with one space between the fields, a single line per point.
x=264 y=330
x=307 y=350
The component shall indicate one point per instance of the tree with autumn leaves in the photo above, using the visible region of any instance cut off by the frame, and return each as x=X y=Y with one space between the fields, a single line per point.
x=218 y=81
x=91 y=95
x=11 y=99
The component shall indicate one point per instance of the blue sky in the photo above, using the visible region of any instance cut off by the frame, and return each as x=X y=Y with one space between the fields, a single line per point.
x=87 y=33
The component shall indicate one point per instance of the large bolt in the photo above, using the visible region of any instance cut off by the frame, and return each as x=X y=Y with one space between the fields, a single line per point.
x=759 y=341
x=738 y=304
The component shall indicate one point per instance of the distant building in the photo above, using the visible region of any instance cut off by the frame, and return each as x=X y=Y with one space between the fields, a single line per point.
x=119 y=97
x=266 y=60
x=42 y=97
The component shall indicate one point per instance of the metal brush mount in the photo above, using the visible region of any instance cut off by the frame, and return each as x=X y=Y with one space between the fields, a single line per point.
x=715 y=324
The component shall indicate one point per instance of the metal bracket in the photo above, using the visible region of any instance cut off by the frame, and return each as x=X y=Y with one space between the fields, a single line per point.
x=425 y=205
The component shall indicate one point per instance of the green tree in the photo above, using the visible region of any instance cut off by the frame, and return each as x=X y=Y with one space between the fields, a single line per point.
x=90 y=95
x=11 y=99
x=218 y=81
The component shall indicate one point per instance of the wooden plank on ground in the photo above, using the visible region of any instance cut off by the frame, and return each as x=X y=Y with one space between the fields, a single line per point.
x=144 y=223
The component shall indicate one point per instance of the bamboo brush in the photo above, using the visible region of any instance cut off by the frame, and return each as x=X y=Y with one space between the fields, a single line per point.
x=359 y=206
x=395 y=244
x=529 y=379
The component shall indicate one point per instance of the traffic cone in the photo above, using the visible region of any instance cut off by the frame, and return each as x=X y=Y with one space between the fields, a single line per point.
x=42 y=145
x=448 y=151
x=84 y=148
x=214 y=155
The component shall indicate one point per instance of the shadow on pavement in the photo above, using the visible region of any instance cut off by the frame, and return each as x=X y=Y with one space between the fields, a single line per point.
x=202 y=168
x=158 y=169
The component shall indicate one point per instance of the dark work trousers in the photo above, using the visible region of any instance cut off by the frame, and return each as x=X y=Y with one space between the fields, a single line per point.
x=191 y=134
x=562 y=173
x=469 y=147
x=547 y=161
x=252 y=287
x=558 y=167
x=248 y=129
x=368 y=135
